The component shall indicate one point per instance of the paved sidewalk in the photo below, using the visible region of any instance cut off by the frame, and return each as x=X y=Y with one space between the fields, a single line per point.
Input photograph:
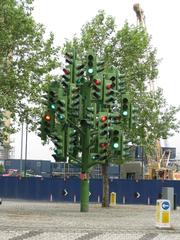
x=20 y=220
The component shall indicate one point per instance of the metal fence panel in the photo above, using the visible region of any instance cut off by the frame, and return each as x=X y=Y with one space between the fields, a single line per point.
x=59 y=189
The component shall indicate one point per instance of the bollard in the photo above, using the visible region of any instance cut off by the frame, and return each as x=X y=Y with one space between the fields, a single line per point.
x=148 y=201
x=160 y=196
x=163 y=214
x=51 y=198
x=124 y=199
x=98 y=199
x=74 y=198
x=113 y=199
x=175 y=201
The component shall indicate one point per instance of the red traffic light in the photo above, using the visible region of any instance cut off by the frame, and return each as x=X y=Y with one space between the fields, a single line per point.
x=66 y=71
x=97 y=81
x=103 y=145
x=104 y=118
x=109 y=86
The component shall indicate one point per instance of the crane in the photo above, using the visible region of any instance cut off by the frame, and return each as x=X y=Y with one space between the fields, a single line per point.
x=158 y=167
x=139 y=14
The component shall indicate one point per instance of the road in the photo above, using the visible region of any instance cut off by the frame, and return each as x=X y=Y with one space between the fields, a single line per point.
x=20 y=220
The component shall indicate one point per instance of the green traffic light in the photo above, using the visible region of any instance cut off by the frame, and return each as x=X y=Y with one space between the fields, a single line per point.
x=61 y=117
x=125 y=113
x=115 y=145
x=53 y=106
x=90 y=70
x=78 y=81
x=95 y=157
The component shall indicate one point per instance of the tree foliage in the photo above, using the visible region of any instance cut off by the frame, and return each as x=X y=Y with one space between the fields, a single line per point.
x=129 y=50
x=26 y=60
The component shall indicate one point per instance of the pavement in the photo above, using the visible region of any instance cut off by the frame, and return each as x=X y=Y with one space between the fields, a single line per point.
x=30 y=220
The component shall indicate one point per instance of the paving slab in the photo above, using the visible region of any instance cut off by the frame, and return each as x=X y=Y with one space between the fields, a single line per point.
x=21 y=220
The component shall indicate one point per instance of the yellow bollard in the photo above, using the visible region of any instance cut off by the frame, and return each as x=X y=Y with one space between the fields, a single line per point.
x=113 y=199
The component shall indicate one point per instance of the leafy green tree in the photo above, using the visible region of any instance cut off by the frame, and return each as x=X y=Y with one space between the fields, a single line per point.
x=26 y=61
x=129 y=50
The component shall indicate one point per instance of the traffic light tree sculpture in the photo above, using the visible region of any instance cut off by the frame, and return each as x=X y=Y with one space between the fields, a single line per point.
x=80 y=119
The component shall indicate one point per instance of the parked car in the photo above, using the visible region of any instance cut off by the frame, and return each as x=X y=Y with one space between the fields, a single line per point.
x=11 y=172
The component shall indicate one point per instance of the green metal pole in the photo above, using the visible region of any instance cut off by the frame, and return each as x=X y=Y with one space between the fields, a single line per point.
x=85 y=139
x=84 y=195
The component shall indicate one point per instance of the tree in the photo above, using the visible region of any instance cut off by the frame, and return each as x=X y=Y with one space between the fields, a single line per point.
x=1 y=169
x=26 y=61
x=129 y=50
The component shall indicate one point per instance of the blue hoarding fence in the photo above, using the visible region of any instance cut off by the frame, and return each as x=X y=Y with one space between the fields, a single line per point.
x=59 y=189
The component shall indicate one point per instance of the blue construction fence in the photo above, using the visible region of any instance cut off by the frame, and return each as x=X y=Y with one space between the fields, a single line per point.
x=59 y=189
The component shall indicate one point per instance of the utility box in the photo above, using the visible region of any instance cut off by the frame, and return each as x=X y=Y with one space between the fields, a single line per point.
x=163 y=213
x=168 y=193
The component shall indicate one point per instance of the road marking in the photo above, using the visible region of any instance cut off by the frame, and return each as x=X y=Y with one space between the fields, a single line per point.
x=26 y=235
x=149 y=236
x=89 y=236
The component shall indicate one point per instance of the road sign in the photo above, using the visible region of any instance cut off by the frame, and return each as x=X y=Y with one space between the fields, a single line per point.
x=64 y=192
x=137 y=195
x=165 y=205
x=163 y=213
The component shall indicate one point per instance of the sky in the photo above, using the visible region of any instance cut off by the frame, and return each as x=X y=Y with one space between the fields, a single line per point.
x=65 y=18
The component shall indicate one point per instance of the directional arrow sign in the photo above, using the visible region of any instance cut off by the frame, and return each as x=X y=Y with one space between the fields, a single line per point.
x=137 y=195
x=165 y=205
x=64 y=192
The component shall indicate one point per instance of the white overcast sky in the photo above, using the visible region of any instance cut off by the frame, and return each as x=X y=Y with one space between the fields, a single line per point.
x=65 y=18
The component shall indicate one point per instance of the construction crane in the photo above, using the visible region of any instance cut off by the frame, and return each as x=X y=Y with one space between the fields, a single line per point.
x=158 y=167
x=139 y=14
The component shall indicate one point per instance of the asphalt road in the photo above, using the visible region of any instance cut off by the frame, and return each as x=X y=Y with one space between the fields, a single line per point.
x=20 y=220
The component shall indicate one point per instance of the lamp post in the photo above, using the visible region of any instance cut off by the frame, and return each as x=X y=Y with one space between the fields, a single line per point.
x=22 y=135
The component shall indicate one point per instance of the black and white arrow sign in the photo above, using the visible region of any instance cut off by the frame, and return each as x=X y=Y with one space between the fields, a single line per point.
x=64 y=192
x=137 y=195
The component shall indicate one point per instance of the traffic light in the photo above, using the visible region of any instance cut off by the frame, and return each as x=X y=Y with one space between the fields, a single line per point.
x=100 y=66
x=94 y=156
x=79 y=73
x=97 y=88
x=42 y=131
x=90 y=115
x=125 y=148
x=103 y=133
x=112 y=76
x=115 y=139
x=122 y=88
x=72 y=142
x=91 y=65
x=58 y=138
x=52 y=96
x=134 y=117
x=61 y=109
x=108 y=92
x=74 y=101
x=48 y=122
x=68 y=70
x=115 y=118
x=67 y=76
x=125 y=106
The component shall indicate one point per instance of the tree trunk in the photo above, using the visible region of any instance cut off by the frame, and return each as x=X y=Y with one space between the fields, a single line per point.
x=105 y=198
